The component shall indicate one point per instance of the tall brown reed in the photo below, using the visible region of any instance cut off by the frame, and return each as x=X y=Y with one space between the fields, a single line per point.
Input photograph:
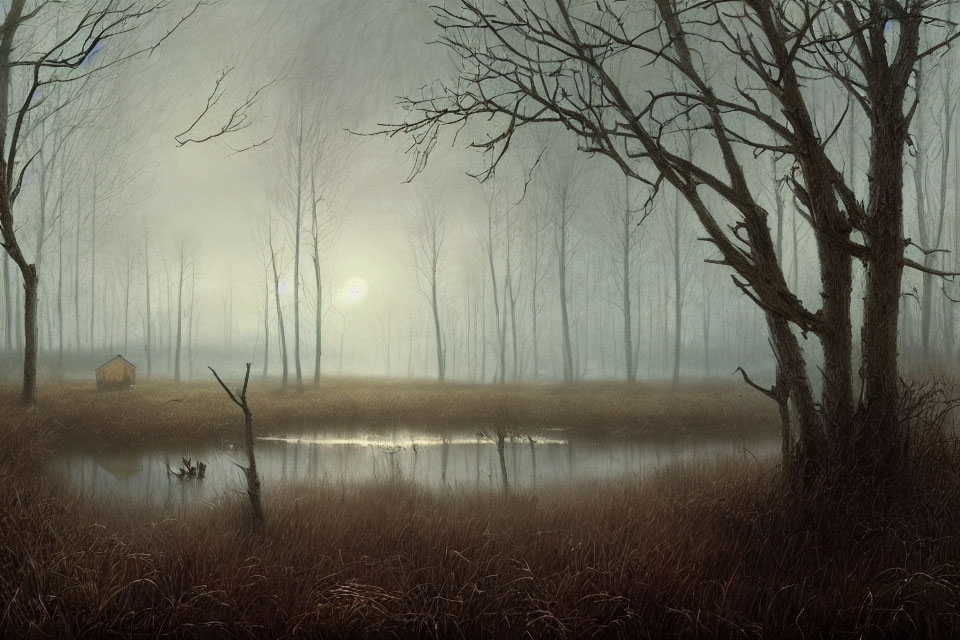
x=722 y=551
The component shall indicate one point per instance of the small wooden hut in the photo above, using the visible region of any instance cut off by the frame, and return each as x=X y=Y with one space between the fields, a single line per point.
x=116 y=373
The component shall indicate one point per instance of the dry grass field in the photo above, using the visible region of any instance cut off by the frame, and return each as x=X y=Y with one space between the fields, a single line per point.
x=719 y=551
x=163 y=412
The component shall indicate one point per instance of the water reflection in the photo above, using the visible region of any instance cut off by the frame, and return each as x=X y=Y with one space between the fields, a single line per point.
x=458 y=462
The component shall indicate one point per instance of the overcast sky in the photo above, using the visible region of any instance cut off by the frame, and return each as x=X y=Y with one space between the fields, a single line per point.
x=363 y=52
x=348 y=61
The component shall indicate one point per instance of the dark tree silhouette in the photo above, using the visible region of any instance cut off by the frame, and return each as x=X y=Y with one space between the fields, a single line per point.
x=49 y=53
x=745 y=79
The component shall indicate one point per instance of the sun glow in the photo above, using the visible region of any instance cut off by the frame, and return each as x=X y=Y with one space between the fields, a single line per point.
x=356 y=289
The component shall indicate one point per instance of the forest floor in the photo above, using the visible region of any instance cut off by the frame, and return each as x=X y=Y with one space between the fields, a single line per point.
x=196 y=412
x=722 y=550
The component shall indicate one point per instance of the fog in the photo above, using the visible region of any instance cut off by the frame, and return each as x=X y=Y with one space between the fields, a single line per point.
x=479 y=318
x=314 y=82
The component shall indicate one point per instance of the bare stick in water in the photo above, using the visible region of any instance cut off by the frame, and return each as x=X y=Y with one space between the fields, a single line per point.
x=250 y=471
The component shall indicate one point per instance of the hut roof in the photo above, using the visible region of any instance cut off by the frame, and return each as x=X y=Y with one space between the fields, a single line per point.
x=116 y=357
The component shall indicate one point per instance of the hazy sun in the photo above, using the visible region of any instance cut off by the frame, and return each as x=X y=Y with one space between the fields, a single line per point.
x=356 y=288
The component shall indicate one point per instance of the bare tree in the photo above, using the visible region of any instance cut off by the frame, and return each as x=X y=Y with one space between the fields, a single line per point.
x=498 y=435
x=680 y=254
x=186 y=261
x=427 y=234
x=930 y=230
x=492 y=198
x=932 y=207
x=266 y=261
x=129 y=258
x=266 y=323
x=564 y=183
x=294 y=168
x=148 y=319
x=627 y=235
x=168 y=281
x=626 y=218
x=281 y=330
x=250 y=471
x=192 y=316
x=52 y=44
x=324 y=223
x=60 y=253
x=525 y=63
x=7 y=305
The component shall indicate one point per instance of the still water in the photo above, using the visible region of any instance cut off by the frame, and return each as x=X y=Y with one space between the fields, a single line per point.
x=466 y=461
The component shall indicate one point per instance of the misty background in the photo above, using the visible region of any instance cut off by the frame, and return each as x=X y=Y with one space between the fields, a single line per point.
x=123 y=213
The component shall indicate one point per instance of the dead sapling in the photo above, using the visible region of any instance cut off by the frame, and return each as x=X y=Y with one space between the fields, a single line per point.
x=499 y=435
x=250 y=471
x=188 y=470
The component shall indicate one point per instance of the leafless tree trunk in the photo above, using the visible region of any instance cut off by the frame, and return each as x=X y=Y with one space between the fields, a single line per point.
x=276 y=292
x=626 y=245
x=297 y=232
x=707 y=298
x=60 y=288
x=468 y=336
x=93 y=262
x=879 y=439
x=949 y=108
x=639 y=315
x=179 y=342
x=502 y=336
x=7 y=305
x=926 y=235
x=169 y=287
x=511 y=298
x=266 y=323
x=128 y=267
x=190 y=318
x=148 y=346
x=678 y=291
x=76 y=279
x=499 y=318
x=48 y=316
x=318 y=234
x=483 y=328
x=777 y=188
x=537 y=253
x=503 y=461
x=562 y=242
x=126 y=311
x=250 y=471
x=788 y=57
x=7 y=194
x=428 y=233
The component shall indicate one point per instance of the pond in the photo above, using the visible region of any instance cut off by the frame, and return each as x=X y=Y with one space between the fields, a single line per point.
x=456 y=461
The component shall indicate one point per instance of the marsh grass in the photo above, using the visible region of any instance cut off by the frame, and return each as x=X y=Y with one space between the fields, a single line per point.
x=157 y=413
x=722 y=550
x=717 y=552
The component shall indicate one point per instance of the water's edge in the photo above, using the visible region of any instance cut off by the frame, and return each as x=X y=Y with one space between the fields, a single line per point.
x=465 y=460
